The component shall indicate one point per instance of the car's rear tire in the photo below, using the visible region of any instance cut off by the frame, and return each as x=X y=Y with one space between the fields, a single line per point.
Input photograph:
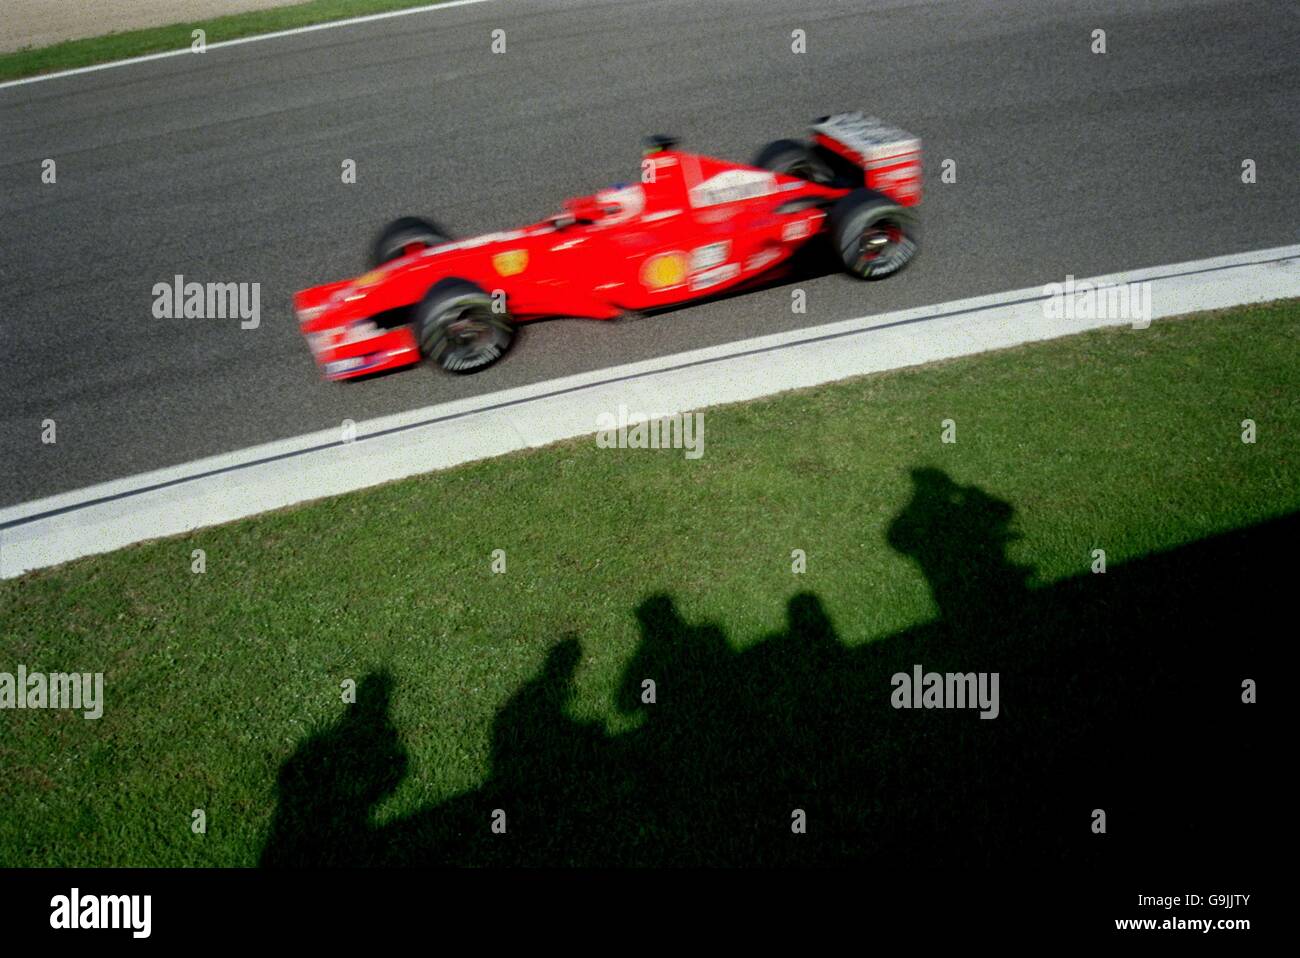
x=405 y=236
x=458 y=329
x=873 y=236
x=794 y=158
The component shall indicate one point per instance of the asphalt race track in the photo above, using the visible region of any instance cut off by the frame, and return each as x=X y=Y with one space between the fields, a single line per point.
x=225 y=167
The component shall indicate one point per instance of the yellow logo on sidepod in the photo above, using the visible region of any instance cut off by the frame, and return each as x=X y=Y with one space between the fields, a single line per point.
x=664 y=270
x=510 y=263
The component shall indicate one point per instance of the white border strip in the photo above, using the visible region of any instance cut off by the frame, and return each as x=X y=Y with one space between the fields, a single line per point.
x=234 y=485
x=310 y=28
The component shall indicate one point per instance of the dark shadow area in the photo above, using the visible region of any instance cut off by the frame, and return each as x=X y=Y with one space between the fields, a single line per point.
x=332 y=781
x=1119 y=692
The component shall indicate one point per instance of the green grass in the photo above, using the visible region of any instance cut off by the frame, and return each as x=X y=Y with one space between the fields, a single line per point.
x=135 y=43
x=1122 y=439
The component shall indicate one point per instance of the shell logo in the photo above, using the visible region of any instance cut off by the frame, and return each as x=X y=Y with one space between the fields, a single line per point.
x=510 y=263
x=663 y=270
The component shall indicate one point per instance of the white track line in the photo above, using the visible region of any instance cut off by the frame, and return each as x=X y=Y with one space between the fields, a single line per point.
x=238 y=484
x=329 y=25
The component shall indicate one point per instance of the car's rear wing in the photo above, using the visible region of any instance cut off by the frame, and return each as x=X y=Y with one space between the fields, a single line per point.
x=890 y=158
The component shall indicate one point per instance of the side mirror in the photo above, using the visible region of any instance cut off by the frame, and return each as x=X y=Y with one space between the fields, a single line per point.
x=658 y=142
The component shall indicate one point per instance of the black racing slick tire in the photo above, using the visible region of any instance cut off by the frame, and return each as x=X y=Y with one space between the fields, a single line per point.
x=872 y=235
x=459 y=328
x=405 y=236
x=793 y=158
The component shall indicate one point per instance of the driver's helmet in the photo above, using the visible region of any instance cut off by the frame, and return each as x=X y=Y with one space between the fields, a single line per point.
x=620 y=203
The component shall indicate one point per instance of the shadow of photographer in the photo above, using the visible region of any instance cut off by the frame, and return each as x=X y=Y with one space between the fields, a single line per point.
x=736 y=747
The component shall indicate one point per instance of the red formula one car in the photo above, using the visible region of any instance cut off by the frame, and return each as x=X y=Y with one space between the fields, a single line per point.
x=691 y=228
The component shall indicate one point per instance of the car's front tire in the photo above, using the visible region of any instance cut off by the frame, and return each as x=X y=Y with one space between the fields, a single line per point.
x=873 y=235
x=405 y=236
x=459 y=328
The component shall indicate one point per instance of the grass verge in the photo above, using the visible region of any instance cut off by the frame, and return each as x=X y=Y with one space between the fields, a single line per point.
x=525 y=690
x=71 y=54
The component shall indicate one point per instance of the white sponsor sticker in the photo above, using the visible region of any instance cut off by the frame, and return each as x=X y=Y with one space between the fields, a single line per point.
x=712 y=277
x=362 y=329
x=795 y=231
x=704 y=257
x=344 y=365
x=732 y=185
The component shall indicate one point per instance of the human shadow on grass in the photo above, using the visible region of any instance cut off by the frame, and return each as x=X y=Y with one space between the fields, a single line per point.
x=1119 y=691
